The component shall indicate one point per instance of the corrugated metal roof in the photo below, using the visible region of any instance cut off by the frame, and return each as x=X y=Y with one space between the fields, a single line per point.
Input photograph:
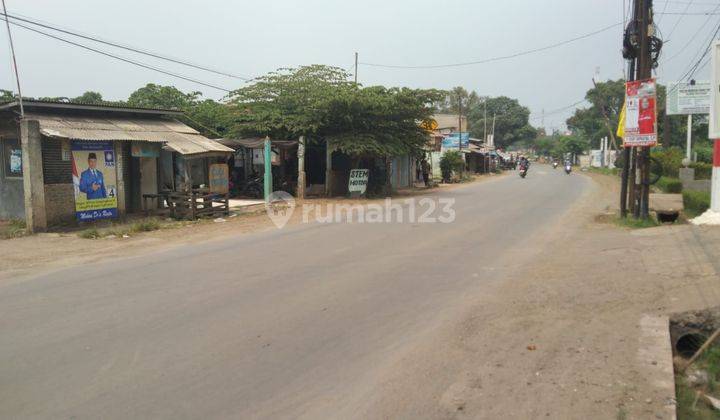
x=176 y=135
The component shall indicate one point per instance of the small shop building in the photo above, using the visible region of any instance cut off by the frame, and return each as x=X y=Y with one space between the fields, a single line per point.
x=65 y=163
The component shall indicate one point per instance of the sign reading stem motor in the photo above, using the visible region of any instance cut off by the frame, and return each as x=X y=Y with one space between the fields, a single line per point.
x=357 y=185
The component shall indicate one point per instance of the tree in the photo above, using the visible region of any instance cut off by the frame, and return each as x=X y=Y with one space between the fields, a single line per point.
x=511 y=121
x=320 y=103
x=546 y=146
x=571 y=144
x=165 y=97
x=209 y=117
x=450 y=101
x=90 y=98
x=7 y=95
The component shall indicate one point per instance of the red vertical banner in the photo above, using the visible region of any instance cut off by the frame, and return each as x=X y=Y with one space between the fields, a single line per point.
x=640 y=113
x=716 y=153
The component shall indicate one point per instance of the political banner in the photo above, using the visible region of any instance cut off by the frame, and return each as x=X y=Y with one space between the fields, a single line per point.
x=94 y=178
x=640 y=113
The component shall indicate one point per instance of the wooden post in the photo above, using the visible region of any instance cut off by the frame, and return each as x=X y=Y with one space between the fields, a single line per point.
x=301 y=169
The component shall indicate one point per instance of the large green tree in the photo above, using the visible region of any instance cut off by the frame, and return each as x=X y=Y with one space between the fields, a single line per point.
x=450 y=103
x=511 y=121
x=321 y=103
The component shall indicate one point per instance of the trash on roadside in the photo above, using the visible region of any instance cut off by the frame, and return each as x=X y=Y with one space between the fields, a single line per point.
x=219 y=220
x=532 y=347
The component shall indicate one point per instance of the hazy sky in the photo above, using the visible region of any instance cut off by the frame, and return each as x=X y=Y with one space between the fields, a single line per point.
x=250 y=37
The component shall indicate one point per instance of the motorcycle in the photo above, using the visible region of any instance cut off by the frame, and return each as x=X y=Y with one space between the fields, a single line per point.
x=523 y=171
x=568 y=169
x=555 y=164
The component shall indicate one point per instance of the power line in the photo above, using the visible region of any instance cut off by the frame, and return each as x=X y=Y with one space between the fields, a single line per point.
x=687 y=44
x=677 y=22
x=499 y=58
x=126 y=60
x=126 y=47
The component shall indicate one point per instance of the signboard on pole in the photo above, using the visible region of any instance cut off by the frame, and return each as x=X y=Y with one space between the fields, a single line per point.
x=640 y=113
x=452 y=141
x=94 y=179
x=357 y=185
x=687 y=98
x=714 y=125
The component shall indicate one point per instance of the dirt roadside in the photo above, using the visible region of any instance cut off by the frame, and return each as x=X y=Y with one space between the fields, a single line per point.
x=567 y=335
x=42 y=253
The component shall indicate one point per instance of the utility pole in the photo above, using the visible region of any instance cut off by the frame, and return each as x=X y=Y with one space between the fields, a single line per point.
x=15 y=67
x=493 y=131
x=645 y=72
x=485 y=120
x=356 y=66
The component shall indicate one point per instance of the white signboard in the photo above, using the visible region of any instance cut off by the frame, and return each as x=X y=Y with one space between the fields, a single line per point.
x=358 y=181
x=685 y=98
x=714 y=126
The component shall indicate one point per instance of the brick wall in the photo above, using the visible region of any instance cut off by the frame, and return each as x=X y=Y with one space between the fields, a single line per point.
x=59 y=203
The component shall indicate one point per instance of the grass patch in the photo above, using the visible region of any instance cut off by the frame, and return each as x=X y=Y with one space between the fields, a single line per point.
x=669 y=185
x=119 y=230
x=604 y=171
x=91 y=233
x=633 y=223
x=696 y=202
x=13 y=228
x=689 y=405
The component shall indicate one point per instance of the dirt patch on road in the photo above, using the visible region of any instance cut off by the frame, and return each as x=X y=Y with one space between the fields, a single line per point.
x=573 y=334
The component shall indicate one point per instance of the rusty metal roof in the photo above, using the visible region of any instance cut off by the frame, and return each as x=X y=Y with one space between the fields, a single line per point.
x=176 y=135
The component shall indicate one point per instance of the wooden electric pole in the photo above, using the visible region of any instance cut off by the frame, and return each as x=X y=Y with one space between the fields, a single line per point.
x=644 y=67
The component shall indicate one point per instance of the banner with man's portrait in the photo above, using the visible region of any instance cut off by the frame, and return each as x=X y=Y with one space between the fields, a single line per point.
x=95 y=180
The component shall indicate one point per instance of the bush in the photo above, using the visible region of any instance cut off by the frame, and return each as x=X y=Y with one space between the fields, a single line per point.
x=696 y=202
x=669 y=185
x=451 y=162
x=91 y=233
x=704 y=153
x=670 y=160
x=702 y=170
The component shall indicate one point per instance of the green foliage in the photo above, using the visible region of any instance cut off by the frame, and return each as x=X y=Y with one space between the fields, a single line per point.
x=669 y=185
x=210 y=117
x=696 y=202
x=589 y=122
x=320 y=103
x=571 y=144
x=545 y=146
x=702 y=170
x=6 y=95
x=704 y=153
x=90 y=98
x=164 y=97
x=451 y=163
x=511 y=120
x=451 y=100
x=669 y=160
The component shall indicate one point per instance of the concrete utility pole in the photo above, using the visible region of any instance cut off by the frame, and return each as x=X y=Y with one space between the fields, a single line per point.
x=688 y=145
x=356 y=66
x=485 y=120
x=267 y=178
x=301 y=169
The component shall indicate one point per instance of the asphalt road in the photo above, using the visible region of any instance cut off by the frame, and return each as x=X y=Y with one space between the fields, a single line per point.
x=304 y=321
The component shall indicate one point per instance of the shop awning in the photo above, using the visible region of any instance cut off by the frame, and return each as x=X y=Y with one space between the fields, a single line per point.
x=256 y=143
x=175 y=135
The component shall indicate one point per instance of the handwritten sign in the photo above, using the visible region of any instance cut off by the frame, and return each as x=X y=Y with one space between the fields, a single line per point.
x=358 y=181
x=219 y=176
